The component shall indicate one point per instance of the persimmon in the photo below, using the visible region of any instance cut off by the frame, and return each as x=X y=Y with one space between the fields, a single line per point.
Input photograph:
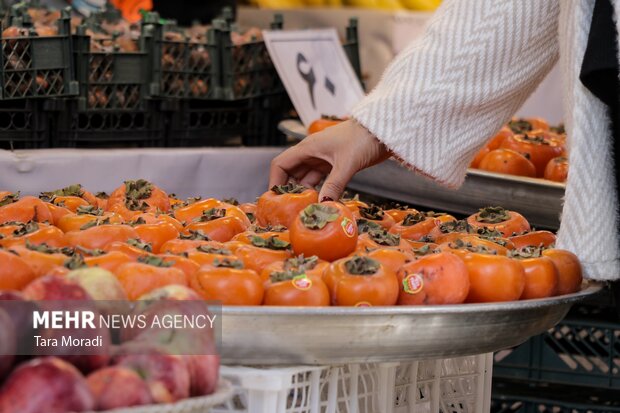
x=217 y=226
x=354 y=204
x=263 y=252
x=326 y=230
x=156 y=234
x=533 y=239
x=493 y=278
x=557 y=169
x=497 y=140
x=189 y=267
x=323 y=123
x=507 y=161
x=133 y=248
x=291 y=288
x=25 y=209
x=181 y=245
x=153 y=218
x=206 y=254
x=441 y=233
x=41 y=258
x=375 y=214
x=208 y=210
x=57 y=213
x=473 y=243
x=250 y=210
x=380 y=238
x=99 y=236
x=416 y=226
x=440 y=278
x=282 y=203
x=398 y=212
x=525 y=125
x=475 y=162
x=537 y=148
x=15 y=273
x=68 y=195
x=135 y=197
x=279 y=232
x=85 y=218
x=228 y=282
x=138 y=278
x=570 y=273
x=108 y=261
x=361 y=282
x=541 y=276
x=392 y=259
x=313 y=267
x=499 y=219
x=35 y=234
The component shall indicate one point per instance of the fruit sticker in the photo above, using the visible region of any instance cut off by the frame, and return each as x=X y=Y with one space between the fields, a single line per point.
x=363 y=304
x=413 y=283
x=348 y=227
x=302 y=282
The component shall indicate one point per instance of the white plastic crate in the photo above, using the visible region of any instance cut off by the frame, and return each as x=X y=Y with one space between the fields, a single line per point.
x=456 y=385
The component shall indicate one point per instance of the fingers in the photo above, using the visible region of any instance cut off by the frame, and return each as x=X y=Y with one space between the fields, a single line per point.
x=335 y=183
x=311 y=179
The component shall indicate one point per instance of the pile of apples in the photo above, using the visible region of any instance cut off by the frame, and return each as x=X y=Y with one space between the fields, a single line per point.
x=140 y=371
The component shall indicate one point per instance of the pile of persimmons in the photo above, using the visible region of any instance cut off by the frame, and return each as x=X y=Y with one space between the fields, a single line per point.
x=285 y=249
x=526 y=147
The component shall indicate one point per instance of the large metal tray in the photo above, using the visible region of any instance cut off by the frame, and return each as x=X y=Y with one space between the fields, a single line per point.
x=333 y=335
x=539 y=200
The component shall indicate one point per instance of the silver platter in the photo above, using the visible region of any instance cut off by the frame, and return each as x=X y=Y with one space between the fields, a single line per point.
x=539 y=200
x=333 y=335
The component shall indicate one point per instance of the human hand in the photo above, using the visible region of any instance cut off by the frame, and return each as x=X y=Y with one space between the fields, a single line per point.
x=336 y=154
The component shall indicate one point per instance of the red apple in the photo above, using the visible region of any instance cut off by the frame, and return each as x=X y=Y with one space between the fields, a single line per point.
x=174 y=301
x=102 y=286
x=20 y=312
x=52 y=287
x=204 y=373
x=116 y=387
x=172 y=292
x=47 y=385
x=60 y=293
x=166 y=375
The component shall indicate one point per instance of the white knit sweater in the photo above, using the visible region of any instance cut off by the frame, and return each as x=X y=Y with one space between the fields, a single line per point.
x=444 y=96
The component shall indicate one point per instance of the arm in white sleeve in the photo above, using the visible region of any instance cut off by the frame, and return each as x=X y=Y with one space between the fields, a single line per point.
x=444 y=96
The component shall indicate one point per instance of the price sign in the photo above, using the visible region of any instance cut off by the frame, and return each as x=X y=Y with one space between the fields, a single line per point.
x=315 y=71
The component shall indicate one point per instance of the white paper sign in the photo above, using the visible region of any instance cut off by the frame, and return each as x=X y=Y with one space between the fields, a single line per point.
x=315 y=71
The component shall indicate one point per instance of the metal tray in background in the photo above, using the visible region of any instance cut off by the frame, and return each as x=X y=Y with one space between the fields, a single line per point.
x=333 y=335
x=539 y=200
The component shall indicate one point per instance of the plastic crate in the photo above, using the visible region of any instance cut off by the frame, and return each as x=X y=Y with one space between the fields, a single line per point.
x=206 y=123
x=525 y=397
x=351 y=48
x=180 y=68
x=110 y=80
x=583 y=349
x=33 y=66
x=455 y=385
x=266 y=114
x=108 y=128
x=23 y=125
x=246 y=69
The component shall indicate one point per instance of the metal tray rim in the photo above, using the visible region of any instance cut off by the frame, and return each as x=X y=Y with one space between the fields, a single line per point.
x=589 y=289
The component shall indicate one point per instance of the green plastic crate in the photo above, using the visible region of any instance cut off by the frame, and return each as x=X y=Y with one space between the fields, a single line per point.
x=36 y=67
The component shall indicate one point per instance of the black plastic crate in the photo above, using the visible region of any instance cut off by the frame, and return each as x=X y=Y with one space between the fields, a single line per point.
x=352 y=48
x=583 y=349
x=110 y=79
x=207 y=123
x=181 y=68
x=266 y=113
x=33 y=66
x=512 y=396
x=108 y=128
x=23 y=125
x=246 y=69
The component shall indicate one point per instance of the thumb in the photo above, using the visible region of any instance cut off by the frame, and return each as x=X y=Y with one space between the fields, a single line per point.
x=335 y=184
